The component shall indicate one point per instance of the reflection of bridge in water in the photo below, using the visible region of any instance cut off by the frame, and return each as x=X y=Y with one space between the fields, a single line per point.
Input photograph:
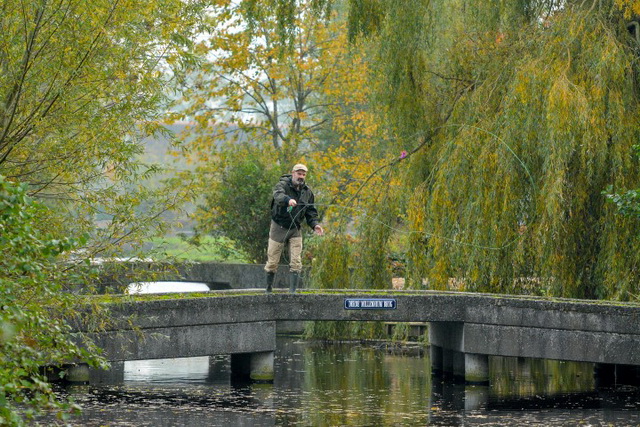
x=464 y=328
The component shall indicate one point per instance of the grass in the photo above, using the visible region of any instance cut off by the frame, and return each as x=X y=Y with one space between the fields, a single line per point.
x=203 y=249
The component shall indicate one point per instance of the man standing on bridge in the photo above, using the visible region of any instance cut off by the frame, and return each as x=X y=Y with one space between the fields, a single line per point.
x=292 y=201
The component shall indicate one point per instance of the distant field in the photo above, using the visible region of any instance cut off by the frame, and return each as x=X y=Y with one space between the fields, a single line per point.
x=208 y=249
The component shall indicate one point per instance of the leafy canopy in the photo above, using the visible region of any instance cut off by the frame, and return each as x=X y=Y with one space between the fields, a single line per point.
x=261 y=102
x=34 y=305
x=526 y=111
x=81 y=83
x=515 y=117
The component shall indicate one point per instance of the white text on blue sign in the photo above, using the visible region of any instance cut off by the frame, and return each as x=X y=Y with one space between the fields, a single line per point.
x=370 y=303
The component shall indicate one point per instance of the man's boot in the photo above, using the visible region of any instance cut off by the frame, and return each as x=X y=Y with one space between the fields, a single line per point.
x=270 y=277
x=294 y=276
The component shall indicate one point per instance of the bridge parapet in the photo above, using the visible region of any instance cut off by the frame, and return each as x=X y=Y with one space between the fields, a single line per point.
x=415 y=306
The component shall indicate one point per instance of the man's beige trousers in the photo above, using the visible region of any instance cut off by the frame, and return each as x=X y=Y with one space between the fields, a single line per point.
x=274 y=250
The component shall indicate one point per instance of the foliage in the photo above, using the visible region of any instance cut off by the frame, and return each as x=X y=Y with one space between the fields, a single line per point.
x=81 y=84
x=251 y=86
x=513 y=118
x=199 y=249
x=236 y=203
x=290 y=100
x=356 y=146
x=330 y=269
x=630 y=8
x=524 y=112
x=34 y=332
x=355 y=263
x=372 y=268
x=627 y=202
x=361 y=160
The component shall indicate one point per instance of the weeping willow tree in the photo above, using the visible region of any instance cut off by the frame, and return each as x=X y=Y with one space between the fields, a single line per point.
x=516 y=116
x=525 y=112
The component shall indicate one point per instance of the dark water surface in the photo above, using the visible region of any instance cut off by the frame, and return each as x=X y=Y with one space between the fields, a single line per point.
x=351 y=385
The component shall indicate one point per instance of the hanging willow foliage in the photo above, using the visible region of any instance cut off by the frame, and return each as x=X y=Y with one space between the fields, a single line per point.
x=330 y=271
x=283 y=11
x=342 y=262
x=530 y=112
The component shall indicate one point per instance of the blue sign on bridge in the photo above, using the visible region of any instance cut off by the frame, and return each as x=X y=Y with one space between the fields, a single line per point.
x=370 y=303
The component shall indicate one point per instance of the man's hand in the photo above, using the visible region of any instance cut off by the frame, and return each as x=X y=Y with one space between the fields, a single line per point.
x=318 y=230
x=293 y=203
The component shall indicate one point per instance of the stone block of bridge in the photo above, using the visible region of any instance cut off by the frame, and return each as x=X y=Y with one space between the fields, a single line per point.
x=547 y=343
x=187 y=341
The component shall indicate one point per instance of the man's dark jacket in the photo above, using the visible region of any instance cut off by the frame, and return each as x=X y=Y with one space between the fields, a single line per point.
x=285 y=191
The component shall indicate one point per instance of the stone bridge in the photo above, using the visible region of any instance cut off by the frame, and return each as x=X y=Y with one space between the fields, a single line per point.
x=464 y=328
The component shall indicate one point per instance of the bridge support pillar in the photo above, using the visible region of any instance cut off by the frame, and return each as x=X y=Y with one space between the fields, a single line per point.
x=449 y=337
x=458 y=366
x=448 y=353
x=436 y=359
x=476 y=368
x=253 y=366
x=447 y=362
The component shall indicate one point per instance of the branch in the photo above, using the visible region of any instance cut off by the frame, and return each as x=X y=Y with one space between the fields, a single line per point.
x=425 y=140
x=13 y=97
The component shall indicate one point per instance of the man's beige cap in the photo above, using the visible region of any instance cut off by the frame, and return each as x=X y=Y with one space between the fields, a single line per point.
x=298 y=167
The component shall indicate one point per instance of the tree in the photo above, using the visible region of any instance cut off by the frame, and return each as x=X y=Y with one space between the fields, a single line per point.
x=236 y=203
x=80 y=85
x=283 y=94
x=254 y=86
x=526 y=111
x=515 y=117
x=33 y=321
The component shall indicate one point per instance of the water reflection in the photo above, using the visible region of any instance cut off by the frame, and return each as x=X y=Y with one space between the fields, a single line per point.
x=188 y=370
x=529 y=377
x=350 y=385
x=358 y=385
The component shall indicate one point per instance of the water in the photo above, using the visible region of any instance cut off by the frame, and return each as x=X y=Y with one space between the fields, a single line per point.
x=351 y=385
